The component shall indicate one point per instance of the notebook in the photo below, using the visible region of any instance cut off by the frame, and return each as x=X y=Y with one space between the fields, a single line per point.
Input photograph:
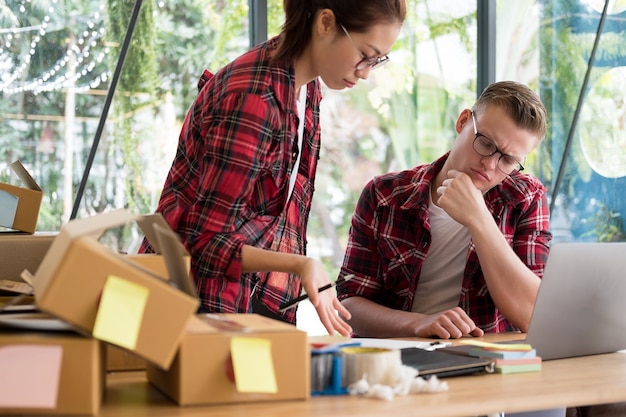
x=580 y=308
x=443 y=364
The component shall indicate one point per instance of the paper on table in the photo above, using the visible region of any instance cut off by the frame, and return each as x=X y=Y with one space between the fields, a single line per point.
x=400 y=344
x=30 y=376
x=16 y=287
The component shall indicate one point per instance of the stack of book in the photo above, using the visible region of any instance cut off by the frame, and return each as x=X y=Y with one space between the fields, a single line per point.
x=509 y=358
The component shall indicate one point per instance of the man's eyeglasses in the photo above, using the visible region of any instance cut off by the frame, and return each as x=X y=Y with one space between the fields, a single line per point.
x=372 y=62
x=486 y=147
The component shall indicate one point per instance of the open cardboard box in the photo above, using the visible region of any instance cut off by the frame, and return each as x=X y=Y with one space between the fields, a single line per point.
x=119 y=359
x=19 y=206
x=201 y=372
x=104 y=294
x=50 y=372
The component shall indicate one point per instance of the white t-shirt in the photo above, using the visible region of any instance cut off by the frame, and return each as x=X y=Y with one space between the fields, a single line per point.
x=301 y=116
x=441 y=277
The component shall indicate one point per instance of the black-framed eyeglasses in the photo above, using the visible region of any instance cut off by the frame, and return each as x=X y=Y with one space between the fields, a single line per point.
x=487 y=147
x=372 y=62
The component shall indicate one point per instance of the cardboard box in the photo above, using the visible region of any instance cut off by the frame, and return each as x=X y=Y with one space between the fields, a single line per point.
x=72 y=383
x=118 y=359
x=199 y=374
x=19 y=206
x=156 y=262
x=20 y=251
x=106 y=295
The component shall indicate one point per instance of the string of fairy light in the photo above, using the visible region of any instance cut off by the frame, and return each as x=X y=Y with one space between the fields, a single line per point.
x=83 y=54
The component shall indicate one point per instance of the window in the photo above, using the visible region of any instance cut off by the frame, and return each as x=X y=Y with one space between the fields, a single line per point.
x=57 y=64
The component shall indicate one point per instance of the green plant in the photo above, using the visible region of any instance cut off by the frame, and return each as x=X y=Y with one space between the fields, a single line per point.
x=607 y=225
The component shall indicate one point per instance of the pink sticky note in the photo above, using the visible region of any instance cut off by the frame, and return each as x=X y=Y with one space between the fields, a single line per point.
x=30 y=376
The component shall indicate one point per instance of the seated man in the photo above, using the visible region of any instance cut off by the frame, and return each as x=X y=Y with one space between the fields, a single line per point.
x=456 y=247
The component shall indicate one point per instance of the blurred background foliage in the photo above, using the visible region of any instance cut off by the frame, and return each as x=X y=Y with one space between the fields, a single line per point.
x=57 y=58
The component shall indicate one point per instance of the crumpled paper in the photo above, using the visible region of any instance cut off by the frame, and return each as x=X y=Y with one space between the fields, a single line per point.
x=407 y=382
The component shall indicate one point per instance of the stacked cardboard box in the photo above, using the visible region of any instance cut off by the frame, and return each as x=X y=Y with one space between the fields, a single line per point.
x=98 y=295
x=20 y=251
x=235 y=358
x=120 y=312
x=106 y=295
x=20 y=247
x=52 y=373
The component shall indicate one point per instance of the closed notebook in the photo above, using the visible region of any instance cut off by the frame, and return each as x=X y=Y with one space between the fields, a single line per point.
x=443 y=364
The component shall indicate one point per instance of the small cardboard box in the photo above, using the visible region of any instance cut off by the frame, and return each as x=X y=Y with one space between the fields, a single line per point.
x=201 y=372
x=19 y=251
x=51 y=373
x=108 y=296
x=19 y=206
x=120 y=359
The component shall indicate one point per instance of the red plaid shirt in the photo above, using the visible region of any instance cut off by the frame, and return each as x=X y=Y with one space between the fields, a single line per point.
x=390 y=237
x=229 y=181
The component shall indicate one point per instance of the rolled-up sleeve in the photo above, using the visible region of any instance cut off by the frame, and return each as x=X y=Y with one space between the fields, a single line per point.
x=362 y=258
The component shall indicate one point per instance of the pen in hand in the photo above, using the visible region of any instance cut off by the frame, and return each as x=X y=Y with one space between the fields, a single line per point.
x=295 y=301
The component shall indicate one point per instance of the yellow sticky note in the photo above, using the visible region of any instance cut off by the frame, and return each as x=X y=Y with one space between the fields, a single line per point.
x=120 y=312
x=253 y=365
x=496 y=346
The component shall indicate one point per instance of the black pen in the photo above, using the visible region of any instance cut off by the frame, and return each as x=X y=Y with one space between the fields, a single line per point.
x=295 y=301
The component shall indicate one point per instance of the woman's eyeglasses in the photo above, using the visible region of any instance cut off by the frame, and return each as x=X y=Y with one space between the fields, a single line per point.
x=372 y=62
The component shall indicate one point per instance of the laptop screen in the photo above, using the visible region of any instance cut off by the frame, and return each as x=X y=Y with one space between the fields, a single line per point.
x=580 y=305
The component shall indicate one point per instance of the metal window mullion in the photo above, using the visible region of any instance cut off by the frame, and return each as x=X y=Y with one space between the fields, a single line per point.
x=486 y=44
x=257 y=15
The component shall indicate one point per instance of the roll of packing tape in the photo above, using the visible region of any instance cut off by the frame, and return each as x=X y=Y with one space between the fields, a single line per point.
x=321 y=371
x=377 y=365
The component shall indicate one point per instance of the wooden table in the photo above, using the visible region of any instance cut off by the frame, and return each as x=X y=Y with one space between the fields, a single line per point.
x=587 y=380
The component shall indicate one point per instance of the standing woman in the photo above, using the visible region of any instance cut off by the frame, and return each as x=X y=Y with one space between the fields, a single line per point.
x=239 y=190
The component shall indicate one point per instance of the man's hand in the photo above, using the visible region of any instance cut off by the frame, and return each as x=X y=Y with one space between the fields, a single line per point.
x=449 y=324
x=460 y=198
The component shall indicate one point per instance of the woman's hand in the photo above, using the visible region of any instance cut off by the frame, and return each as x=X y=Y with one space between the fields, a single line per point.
x=314 y=276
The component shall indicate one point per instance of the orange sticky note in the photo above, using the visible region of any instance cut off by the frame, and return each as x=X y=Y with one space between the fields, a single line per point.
x=30 y=375
x=120 y=312
x=253 y=365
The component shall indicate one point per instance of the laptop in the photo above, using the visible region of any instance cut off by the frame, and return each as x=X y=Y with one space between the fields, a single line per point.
x=580 y=308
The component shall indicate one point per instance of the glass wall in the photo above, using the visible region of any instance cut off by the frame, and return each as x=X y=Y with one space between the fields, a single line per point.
x=582 y=76
x=58 y=60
